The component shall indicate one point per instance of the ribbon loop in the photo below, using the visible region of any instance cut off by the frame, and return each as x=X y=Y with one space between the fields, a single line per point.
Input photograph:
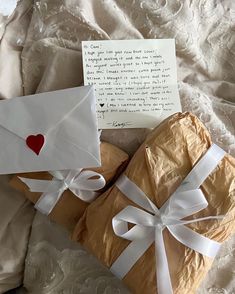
x=150 y=222
x=89 y=180
x=83 y=184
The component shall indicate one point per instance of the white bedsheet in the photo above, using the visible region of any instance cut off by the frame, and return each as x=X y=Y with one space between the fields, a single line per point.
x=51 y=59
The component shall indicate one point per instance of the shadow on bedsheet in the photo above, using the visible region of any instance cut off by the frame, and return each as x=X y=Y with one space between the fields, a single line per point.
x=19 y=290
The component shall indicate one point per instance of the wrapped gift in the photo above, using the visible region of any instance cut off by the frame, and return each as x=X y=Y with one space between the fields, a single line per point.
x=159 y=227
x=67 y=194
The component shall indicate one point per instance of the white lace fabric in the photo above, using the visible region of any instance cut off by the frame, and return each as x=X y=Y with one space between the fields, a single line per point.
x=204 y=31
x=55 y=264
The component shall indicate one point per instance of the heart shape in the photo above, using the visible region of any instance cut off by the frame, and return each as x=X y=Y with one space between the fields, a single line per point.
x=35 y=142
x=101 y=104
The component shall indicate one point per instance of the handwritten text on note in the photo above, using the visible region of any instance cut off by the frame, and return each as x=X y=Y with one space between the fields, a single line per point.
x=135 y=81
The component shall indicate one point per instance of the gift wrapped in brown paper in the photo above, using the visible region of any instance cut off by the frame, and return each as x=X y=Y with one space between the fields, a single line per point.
x=158 y=169
x=69 y=208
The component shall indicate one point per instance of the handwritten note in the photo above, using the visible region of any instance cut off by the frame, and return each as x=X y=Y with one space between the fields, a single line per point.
x=135 y=81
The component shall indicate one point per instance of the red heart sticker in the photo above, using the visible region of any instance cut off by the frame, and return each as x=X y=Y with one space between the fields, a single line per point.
x=35 y=142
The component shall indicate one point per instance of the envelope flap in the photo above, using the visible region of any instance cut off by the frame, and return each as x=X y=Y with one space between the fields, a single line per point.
x=39 y=113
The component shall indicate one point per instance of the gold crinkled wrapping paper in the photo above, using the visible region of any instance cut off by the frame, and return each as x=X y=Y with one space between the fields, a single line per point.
x=70 y=208
x=158 y=167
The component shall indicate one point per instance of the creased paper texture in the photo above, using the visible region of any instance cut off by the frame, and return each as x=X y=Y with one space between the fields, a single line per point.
x=135 y=81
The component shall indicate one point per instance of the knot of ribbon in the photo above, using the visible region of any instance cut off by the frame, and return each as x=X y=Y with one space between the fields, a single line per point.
x=83 y=183
x=150 y=222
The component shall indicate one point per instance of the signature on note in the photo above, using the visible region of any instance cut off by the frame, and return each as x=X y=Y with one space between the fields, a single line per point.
x=121 y=125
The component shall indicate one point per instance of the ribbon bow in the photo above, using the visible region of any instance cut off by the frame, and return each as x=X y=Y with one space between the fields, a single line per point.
x=83 y=183
x=150 y=223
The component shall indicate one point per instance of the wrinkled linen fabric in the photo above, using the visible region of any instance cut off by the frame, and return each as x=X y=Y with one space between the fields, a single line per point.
x=16 y=215
x=205 y=42
x=13 y=30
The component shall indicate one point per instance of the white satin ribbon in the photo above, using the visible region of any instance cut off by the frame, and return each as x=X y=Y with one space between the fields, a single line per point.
x=83 y=183
x=150 y=222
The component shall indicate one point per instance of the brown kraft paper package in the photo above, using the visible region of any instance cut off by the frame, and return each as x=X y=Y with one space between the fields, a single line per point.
x=158 y=167
x=70 y=208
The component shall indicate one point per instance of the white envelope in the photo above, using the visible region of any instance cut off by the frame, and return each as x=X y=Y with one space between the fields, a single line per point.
x=67 y=121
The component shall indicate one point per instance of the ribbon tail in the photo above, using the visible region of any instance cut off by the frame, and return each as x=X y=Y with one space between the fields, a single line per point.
x=195 y=241
x=59 y=175
x=36 y=185
x=130 y=256
x=47 y=202
x=164 y=285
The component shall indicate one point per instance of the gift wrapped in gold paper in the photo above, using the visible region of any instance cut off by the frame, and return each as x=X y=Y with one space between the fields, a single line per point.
x=70 y=208
x=158 y=168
